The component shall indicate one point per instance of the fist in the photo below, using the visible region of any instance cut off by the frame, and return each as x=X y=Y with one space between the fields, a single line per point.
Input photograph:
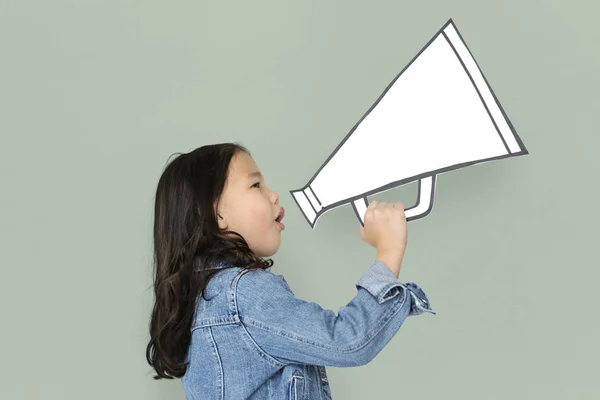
x=385 y=227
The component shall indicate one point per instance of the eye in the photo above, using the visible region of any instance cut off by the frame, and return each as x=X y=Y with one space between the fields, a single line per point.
x=257 y=185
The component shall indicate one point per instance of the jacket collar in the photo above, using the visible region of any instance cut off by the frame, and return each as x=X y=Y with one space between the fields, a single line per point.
x=219 y=264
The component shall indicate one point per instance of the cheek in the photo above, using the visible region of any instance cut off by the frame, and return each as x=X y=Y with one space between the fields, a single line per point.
x=263 y=215
x=267 y=215
x=254 y=217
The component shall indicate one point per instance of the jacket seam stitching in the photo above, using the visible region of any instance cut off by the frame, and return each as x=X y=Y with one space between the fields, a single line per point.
x=216 y=353
x=233 y=292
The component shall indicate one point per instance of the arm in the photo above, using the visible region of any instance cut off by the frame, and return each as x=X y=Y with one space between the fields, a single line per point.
x=292 y=330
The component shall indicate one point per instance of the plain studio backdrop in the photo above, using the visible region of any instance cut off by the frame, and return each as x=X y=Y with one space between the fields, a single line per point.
x=96 y=95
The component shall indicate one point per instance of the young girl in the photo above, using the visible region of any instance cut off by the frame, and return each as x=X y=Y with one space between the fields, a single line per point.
x=228 y=326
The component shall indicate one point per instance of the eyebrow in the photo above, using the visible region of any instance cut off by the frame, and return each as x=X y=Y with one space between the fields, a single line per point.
x=255 y=174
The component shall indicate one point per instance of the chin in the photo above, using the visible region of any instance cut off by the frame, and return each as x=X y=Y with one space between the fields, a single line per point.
x=268 y=252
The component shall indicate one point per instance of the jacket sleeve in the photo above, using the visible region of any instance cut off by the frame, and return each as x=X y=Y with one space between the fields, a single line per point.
x=294 y=331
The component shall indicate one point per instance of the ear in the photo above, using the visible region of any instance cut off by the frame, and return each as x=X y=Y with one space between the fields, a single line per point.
x=222 y=222
x=220 y=219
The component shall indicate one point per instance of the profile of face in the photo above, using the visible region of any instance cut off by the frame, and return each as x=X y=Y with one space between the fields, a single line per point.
x=248 y=207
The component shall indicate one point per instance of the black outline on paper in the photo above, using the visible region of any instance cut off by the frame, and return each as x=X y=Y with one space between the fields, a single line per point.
x=422 y=215
x=401 y=182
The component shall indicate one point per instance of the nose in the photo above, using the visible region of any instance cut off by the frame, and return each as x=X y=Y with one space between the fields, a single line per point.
x=275 y=197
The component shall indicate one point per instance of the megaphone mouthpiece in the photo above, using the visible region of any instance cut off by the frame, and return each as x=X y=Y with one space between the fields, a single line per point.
x=309 y=204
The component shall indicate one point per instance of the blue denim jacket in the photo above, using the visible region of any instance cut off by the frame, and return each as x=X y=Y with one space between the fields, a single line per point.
x=255 y=340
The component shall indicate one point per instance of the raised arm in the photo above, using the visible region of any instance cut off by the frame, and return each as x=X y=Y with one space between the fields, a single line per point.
x=292 y=330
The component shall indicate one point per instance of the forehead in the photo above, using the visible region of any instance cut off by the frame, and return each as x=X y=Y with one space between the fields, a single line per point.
x=241 y=167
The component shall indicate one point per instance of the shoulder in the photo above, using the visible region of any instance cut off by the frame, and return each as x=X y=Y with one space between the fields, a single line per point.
x=259 y=279
x=244 y=280
x=256 y=288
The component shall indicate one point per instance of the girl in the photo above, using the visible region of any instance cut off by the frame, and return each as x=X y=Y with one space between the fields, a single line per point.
x=228 y=326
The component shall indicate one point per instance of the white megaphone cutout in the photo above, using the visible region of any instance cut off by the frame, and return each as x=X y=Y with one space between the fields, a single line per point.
x=437 y=115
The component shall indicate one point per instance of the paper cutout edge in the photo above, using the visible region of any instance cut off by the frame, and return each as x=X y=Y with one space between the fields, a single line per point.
x=359 y=203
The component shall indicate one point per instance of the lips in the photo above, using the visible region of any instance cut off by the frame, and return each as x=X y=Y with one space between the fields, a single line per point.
x=280 y=217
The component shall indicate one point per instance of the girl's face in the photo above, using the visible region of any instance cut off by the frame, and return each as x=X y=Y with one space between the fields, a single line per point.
x=248 y=207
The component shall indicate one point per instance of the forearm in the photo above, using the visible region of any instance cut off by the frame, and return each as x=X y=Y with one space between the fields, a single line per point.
x=392 y=259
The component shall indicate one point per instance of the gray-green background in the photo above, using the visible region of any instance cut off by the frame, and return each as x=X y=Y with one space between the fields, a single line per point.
x=96 y=95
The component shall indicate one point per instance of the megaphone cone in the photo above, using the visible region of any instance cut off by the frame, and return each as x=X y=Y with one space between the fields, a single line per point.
x=439 y=114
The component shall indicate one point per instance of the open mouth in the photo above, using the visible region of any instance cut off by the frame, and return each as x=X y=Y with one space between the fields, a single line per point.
x=281 y=214
x=280 y=217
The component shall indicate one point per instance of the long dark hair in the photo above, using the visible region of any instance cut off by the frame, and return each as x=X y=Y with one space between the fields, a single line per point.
x=187 y=244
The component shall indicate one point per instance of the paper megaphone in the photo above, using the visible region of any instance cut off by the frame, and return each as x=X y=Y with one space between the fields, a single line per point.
x=437 y=115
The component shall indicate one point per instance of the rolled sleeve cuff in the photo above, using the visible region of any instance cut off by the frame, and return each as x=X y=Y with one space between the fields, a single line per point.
x=384 y=286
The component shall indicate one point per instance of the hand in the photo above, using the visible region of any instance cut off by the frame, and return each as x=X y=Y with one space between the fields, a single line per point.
x=385 y=229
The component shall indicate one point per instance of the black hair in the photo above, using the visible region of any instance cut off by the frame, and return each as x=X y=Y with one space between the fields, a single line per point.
x=187 y=245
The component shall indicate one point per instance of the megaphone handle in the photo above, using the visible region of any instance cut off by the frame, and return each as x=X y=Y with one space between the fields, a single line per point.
x=360 y=208
x=424 y=201
x=423 y=206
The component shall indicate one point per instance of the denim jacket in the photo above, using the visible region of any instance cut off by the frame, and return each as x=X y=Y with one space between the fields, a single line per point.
x=255 y=340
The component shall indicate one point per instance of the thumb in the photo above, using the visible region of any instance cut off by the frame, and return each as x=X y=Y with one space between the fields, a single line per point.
x=362 y=232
